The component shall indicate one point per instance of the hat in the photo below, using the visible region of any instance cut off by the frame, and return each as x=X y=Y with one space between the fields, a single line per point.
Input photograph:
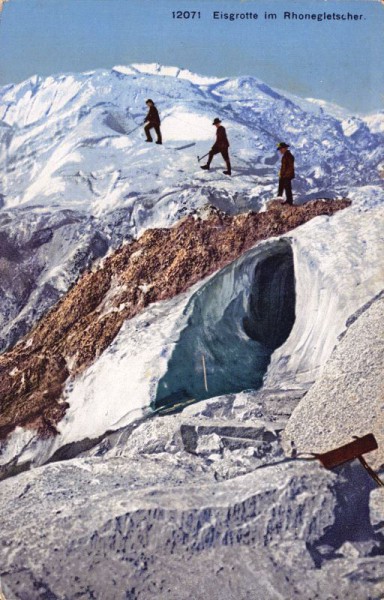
x=149 y=100
x=216 y=121
x=282 y=145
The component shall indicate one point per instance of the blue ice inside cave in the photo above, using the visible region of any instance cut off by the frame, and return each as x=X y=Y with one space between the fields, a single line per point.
x=235 y=322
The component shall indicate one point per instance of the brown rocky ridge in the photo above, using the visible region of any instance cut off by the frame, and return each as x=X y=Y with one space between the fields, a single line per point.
x=159 y=265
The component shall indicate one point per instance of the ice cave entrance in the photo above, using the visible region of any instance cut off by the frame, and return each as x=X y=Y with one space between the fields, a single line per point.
x=235 y=323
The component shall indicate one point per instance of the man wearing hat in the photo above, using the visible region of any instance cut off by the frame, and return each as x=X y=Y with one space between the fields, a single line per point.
x=287 y=172
x=152 y=120
x=219 y=147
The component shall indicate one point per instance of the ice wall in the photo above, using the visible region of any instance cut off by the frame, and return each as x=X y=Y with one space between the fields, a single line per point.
x=338 y=269
x=234 y=323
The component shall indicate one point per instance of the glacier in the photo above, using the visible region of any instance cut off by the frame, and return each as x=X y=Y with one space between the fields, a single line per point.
x=62 y=214
x=171 y=473
x=334 y=269
x=337 y=269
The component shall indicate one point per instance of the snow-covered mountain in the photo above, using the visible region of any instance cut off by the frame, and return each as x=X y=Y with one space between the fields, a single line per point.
x=66 y=140
x=78 y=178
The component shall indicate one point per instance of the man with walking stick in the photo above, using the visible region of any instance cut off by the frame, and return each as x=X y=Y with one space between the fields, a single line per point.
x=219 y=147
x=152 y=120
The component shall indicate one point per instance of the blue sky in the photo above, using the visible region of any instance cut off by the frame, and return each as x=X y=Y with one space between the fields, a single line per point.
x=338 y=61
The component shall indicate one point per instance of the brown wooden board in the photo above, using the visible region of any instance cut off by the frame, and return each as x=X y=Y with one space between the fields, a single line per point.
x=350 y=451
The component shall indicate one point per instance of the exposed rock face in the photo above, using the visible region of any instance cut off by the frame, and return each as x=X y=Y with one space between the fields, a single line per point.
x=150 y=516
x=161 y=264
x=347 y=400
x=112 y=542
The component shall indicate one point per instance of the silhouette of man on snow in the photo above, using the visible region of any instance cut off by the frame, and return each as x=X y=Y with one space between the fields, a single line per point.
x=152 y=121
x=219 y=147
x=287 y=172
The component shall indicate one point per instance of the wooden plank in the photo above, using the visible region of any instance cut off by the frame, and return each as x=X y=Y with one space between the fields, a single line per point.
x=350 y=451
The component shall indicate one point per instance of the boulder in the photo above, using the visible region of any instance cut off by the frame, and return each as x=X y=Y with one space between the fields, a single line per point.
x=347 y=399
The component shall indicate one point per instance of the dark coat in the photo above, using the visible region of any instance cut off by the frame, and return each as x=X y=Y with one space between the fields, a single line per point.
x=153 y=116
x=287 y=170
x=221 y=139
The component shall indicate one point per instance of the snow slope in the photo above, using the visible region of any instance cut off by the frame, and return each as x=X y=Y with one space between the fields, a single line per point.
x=66 y=140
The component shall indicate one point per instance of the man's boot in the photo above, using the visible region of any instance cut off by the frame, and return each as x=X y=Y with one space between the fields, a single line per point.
x=147 y=134
x=228 y=171
x=206 y=167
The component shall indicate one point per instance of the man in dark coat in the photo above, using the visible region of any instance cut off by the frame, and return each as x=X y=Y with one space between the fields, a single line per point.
x=287 y=172
x=152 y=120
x=219 y=147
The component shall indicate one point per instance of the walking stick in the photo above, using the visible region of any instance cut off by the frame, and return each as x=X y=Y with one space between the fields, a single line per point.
x=199 y=158
x=205 y=372
x=132 y=130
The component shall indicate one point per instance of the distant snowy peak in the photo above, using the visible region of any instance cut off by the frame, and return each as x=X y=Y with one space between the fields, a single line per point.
x=156 y=69
x=350 y=122
x=90 y=83
x=334 y=110
x=38 y=98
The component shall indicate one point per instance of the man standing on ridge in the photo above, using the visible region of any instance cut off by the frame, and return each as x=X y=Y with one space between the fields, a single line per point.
x=219 y=147
x=287 y=172
x=152 y=120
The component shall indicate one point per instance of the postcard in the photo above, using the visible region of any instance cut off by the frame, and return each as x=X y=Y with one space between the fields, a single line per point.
x=191 y=299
